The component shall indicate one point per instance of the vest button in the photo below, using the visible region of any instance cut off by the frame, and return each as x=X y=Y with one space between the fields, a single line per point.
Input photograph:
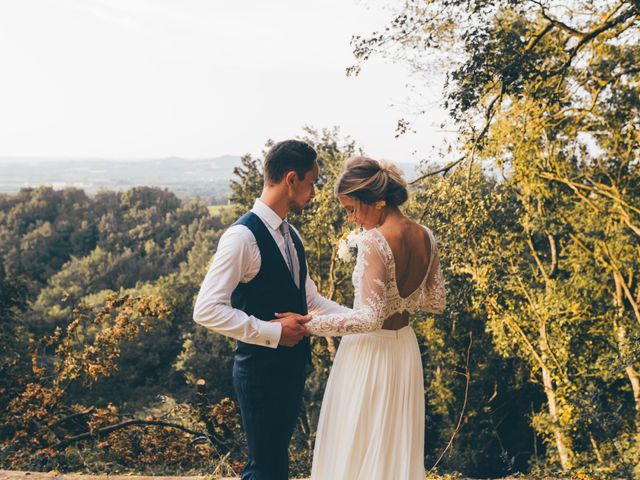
x=268 y=342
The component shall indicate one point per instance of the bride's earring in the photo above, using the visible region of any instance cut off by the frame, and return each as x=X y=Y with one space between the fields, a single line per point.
x=379 y=205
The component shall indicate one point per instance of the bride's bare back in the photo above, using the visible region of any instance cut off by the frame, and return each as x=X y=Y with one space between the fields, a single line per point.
x=389 y=280
x=411 y=248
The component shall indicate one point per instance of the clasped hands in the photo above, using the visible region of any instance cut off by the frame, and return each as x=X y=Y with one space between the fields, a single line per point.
x=293 y=329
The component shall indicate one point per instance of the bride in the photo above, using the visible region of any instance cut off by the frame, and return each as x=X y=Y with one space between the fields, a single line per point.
x=371 y=424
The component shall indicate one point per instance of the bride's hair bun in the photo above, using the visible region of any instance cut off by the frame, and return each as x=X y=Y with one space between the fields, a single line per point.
x=371 y=181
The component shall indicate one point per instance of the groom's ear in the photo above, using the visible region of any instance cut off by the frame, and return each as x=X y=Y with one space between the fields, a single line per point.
x=290 y=178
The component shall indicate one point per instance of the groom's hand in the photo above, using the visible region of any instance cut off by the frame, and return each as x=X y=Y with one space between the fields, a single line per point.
x=293 y=329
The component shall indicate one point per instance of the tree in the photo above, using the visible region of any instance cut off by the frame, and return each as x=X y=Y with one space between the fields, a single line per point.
x=82 y=382
x=547 y=92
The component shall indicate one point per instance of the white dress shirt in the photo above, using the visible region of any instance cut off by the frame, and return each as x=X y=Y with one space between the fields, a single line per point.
x=237 y=260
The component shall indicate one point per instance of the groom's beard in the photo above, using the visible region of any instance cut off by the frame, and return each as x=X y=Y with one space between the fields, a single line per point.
x=297 y=208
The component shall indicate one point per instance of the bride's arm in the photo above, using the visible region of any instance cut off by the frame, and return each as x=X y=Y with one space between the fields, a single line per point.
x=370 y=289
x=434 y=296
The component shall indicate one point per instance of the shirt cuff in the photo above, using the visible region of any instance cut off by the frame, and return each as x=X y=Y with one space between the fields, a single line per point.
x=269 y=333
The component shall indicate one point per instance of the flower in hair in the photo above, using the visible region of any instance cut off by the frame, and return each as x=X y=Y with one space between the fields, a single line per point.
x=380 y=204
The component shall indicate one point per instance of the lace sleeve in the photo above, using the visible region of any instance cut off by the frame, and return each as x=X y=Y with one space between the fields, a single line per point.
x=434 y=295
x=370 y=285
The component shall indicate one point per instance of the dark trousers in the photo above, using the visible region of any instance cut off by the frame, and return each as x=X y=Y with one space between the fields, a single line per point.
x=269 y=406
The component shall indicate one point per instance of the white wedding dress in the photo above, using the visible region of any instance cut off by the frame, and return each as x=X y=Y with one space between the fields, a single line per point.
x=371 y=424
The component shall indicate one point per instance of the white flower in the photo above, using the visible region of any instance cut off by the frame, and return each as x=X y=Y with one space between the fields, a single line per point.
x=352 y=238
x=344 y=252
x=347 y=244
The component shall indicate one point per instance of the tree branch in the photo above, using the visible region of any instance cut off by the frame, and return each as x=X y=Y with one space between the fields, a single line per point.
x=444 y=169
x=73 y=416
x=101 y=432
x=467 y=376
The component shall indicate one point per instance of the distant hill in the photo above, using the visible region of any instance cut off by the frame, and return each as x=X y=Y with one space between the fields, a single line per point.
x=208 y=177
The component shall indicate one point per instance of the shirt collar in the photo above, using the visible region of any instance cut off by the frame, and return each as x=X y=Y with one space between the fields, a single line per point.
x=267 y=215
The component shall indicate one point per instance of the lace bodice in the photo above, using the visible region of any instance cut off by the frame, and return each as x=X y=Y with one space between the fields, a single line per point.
x=376 y=290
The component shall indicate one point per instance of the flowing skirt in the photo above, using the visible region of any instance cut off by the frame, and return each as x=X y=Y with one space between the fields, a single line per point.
x=371 y=424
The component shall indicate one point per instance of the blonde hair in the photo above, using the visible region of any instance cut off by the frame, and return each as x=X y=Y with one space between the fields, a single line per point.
x=370 y=181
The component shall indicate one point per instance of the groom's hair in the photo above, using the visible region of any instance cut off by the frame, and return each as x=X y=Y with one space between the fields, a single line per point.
x=287 y=156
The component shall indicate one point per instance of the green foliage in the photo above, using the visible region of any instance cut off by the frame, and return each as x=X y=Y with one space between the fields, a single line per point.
x=248 y=186
x=545 y=93
x=469 y=222
x=146 y=243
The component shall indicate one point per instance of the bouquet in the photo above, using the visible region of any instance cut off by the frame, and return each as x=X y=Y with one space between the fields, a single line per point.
x=347 y=244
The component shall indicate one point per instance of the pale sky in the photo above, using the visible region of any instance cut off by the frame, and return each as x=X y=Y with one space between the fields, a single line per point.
x=196 y=78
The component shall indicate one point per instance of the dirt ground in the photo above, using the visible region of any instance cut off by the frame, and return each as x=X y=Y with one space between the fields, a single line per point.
x=14 y=475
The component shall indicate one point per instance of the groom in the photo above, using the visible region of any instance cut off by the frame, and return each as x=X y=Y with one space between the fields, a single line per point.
x=260 y=267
